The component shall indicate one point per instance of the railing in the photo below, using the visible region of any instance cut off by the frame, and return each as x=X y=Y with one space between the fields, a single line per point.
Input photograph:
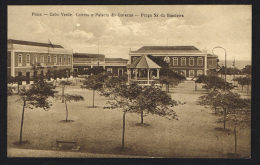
x=144 y=81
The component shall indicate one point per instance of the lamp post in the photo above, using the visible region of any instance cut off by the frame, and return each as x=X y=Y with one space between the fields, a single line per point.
x=225 y=60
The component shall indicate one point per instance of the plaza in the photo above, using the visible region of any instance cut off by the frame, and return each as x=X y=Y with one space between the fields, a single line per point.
x=98 y=131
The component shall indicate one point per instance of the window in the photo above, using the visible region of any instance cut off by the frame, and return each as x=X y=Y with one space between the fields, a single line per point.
x=75 y=69
x=109 y=70
x=135 y=58
x=64 y=59
x=183 y=73
x=28 y=59
x=200 y=61
x=60 y=60
x=191 y=73
x=55 y=59
x=199 y=72
x=42 y=59
x=175 y=61
x=85 y=68
x=176 y=71
x=209 y=62
x=167 y=59
x=49 y=59
x=183 y=61
x=68 y=60
x=191 y=61
x=19 y=60
x=35 y=59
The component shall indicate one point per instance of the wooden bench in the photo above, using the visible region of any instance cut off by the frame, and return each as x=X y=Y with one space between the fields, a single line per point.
x=58 y=145
x=60 y=141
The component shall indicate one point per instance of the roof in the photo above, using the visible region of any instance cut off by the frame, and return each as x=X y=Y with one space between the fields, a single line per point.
x=20 y=42
x=167 y=49
x=115 y=59
x=144 y=62
x=88 y=55
x=211 y=55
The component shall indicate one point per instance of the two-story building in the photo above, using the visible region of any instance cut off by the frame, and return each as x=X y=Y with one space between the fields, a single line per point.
x=84 y=61
x=22 y=54
x=184 y=60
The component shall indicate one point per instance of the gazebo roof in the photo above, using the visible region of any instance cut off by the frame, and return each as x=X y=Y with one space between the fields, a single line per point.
x=144 y=63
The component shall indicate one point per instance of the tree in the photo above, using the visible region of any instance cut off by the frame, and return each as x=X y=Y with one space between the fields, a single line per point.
x=68 y=97
x=222 y=70
x=37 y=96
x=18 y=80
x=137 y=99
x=247 y=69
x=242 y=119
x=151 y=99
x=235 y=110
x=214 y=83
x=63 y=84
x=61 y=73
x=9 y=91
x=228 y=101
x=111 y=83
x=168 y=81
x=93 y=82
x=233 y=71
x=75 y=75
x=243 y=81
x=211 y=99
x=49 y=75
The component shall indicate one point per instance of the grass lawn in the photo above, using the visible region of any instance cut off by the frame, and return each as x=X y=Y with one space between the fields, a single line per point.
x=99 y=130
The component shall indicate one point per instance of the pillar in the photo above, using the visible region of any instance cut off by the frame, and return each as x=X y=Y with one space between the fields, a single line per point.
x=158 y=73
x=127 y=75
x=130 y=73
x=136 y=70
x=148 y=71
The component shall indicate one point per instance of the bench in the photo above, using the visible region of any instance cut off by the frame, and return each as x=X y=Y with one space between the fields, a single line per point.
x=58 y=145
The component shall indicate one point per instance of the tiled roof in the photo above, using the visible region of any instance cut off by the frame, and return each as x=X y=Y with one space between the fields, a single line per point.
x=88 y=55
x=144 y=62
x=167 y=49
x=20 y=42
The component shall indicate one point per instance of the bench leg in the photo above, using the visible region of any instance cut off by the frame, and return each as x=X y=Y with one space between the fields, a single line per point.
x=75 y=148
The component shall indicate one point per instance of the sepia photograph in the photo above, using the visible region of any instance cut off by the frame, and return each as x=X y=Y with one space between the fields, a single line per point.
x=129 y=81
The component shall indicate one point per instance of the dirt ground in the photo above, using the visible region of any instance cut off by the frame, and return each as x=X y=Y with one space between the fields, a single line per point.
x=99 y=130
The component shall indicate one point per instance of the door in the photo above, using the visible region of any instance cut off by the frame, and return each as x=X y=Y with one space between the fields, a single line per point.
x=20 y=74
x=27 y=77
x=183 y=73
x=191 y=73
x=120 y=72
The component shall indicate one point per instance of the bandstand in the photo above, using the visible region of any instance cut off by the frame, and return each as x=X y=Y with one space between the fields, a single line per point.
x=143 y=70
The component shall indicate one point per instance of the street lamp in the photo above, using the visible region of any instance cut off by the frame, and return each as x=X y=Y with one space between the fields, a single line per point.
x=225 y=60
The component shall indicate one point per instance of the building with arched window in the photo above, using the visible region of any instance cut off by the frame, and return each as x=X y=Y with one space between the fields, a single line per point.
x=21 y=55
x=184 y=60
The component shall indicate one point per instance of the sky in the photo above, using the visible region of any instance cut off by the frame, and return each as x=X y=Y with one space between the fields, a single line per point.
x=202 y=26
